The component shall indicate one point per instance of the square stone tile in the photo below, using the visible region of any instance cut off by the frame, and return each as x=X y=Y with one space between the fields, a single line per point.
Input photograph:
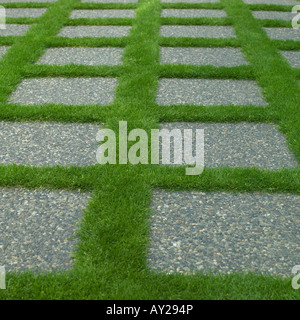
x=48 y=144
x=106 y=13
x=224 y=232
x=3 y=50
x=283 y=33
x=38 y=228
x=193 y=13
x=197 y=31
x=293 y=57
x=83 y=56
x=24 y=13
x=95 y=31
x=273 y=15
x=208 y=92
x=277 y=2
x=227 y=57
x=14 y=30
x=69 y=91
x=235 y=145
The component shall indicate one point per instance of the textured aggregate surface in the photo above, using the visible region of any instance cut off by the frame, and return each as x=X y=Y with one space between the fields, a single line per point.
x=208 y=92
x=227 y=57
x=277 y=2
x=197 y=31
x=94 y=31
x=84 y=56
x=224 y=232
x=3 y=50
x=48 y=144
x=107 y=13
x=110 y=1
x=69 y=91
x=193 y=13
x=38 y=228
x=24 y=13
x=293 y=58
x=12 y=1
x=241 y=144
x=273 y=15
x=283 y=33
x=190 y=1
x=14 y=30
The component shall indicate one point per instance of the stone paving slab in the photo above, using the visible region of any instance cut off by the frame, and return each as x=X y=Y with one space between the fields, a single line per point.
x=242 y=144
x=197 y=31
x=95 y=31
x=38 y=228
x=208 y=92
x=24 y=13
x=277 y=2
x=110 y=1
x=21 y=1
x=84 y=56
x=193 y=13
x=48 y=144
x=228 y=57
x=69 y=91
x=106 y=13
x=190 y=1
x=224 y=232
x=3 y=50
x=14 y=30
x=283 y=33
x=273 y=15
x=293 y=57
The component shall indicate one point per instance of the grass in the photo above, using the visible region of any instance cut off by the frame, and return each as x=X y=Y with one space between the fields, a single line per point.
x=111 y=258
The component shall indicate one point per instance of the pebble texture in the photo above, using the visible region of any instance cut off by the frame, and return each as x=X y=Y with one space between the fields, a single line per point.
x=38 y=228
x=283 y=34
x=84 y=56
x=227 y=57
x=69 y=91
x=197 y=31
x=208 y=92
x=3 y=50
x=94 y=14
x=293 y=57
x=95 y=31
x=224 y=232
x=278 y=2
x=193 y=13
x=14 y=30
x=24 y=13
x=273 y=15
x=258 y=145
x=48 y=144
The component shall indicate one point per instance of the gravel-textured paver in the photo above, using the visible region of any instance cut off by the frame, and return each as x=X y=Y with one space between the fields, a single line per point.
x=227 y=57
x=110 y=1
x=84 y=56
x=193 y=13
x=3 y=50
x=14 y=30
x=69 y=91
x=224 y=232
x=293 y=57
x=106 y=13
x=12 y=1
x=277 y=2
x=273 y=15
x=38 y=228
x=190 y=1
x=94 y=31
x=258 y=145
x=283 y=33
x=24 y=13
x=48 y=144
x=197 y=31
x=209 y=92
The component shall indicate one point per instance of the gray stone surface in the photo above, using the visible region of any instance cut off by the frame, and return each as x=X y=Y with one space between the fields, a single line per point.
x=106 y=13
x=69 y=91
x=273 y=15
x=110 y=1
x=224 y=232
x=193 y=13
x=84 y=56
x=190 y=1
x=197 y=31
x=3 y=50
x=277 y=2
x=12 y=1
x=48 y=144
x=242 y=144
x=95 y=31
x=14 y=30
x=208 y=92
x=283 y=33
x=38 y=228
x=293 y=57
x=24 y=13
x=227 y=57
